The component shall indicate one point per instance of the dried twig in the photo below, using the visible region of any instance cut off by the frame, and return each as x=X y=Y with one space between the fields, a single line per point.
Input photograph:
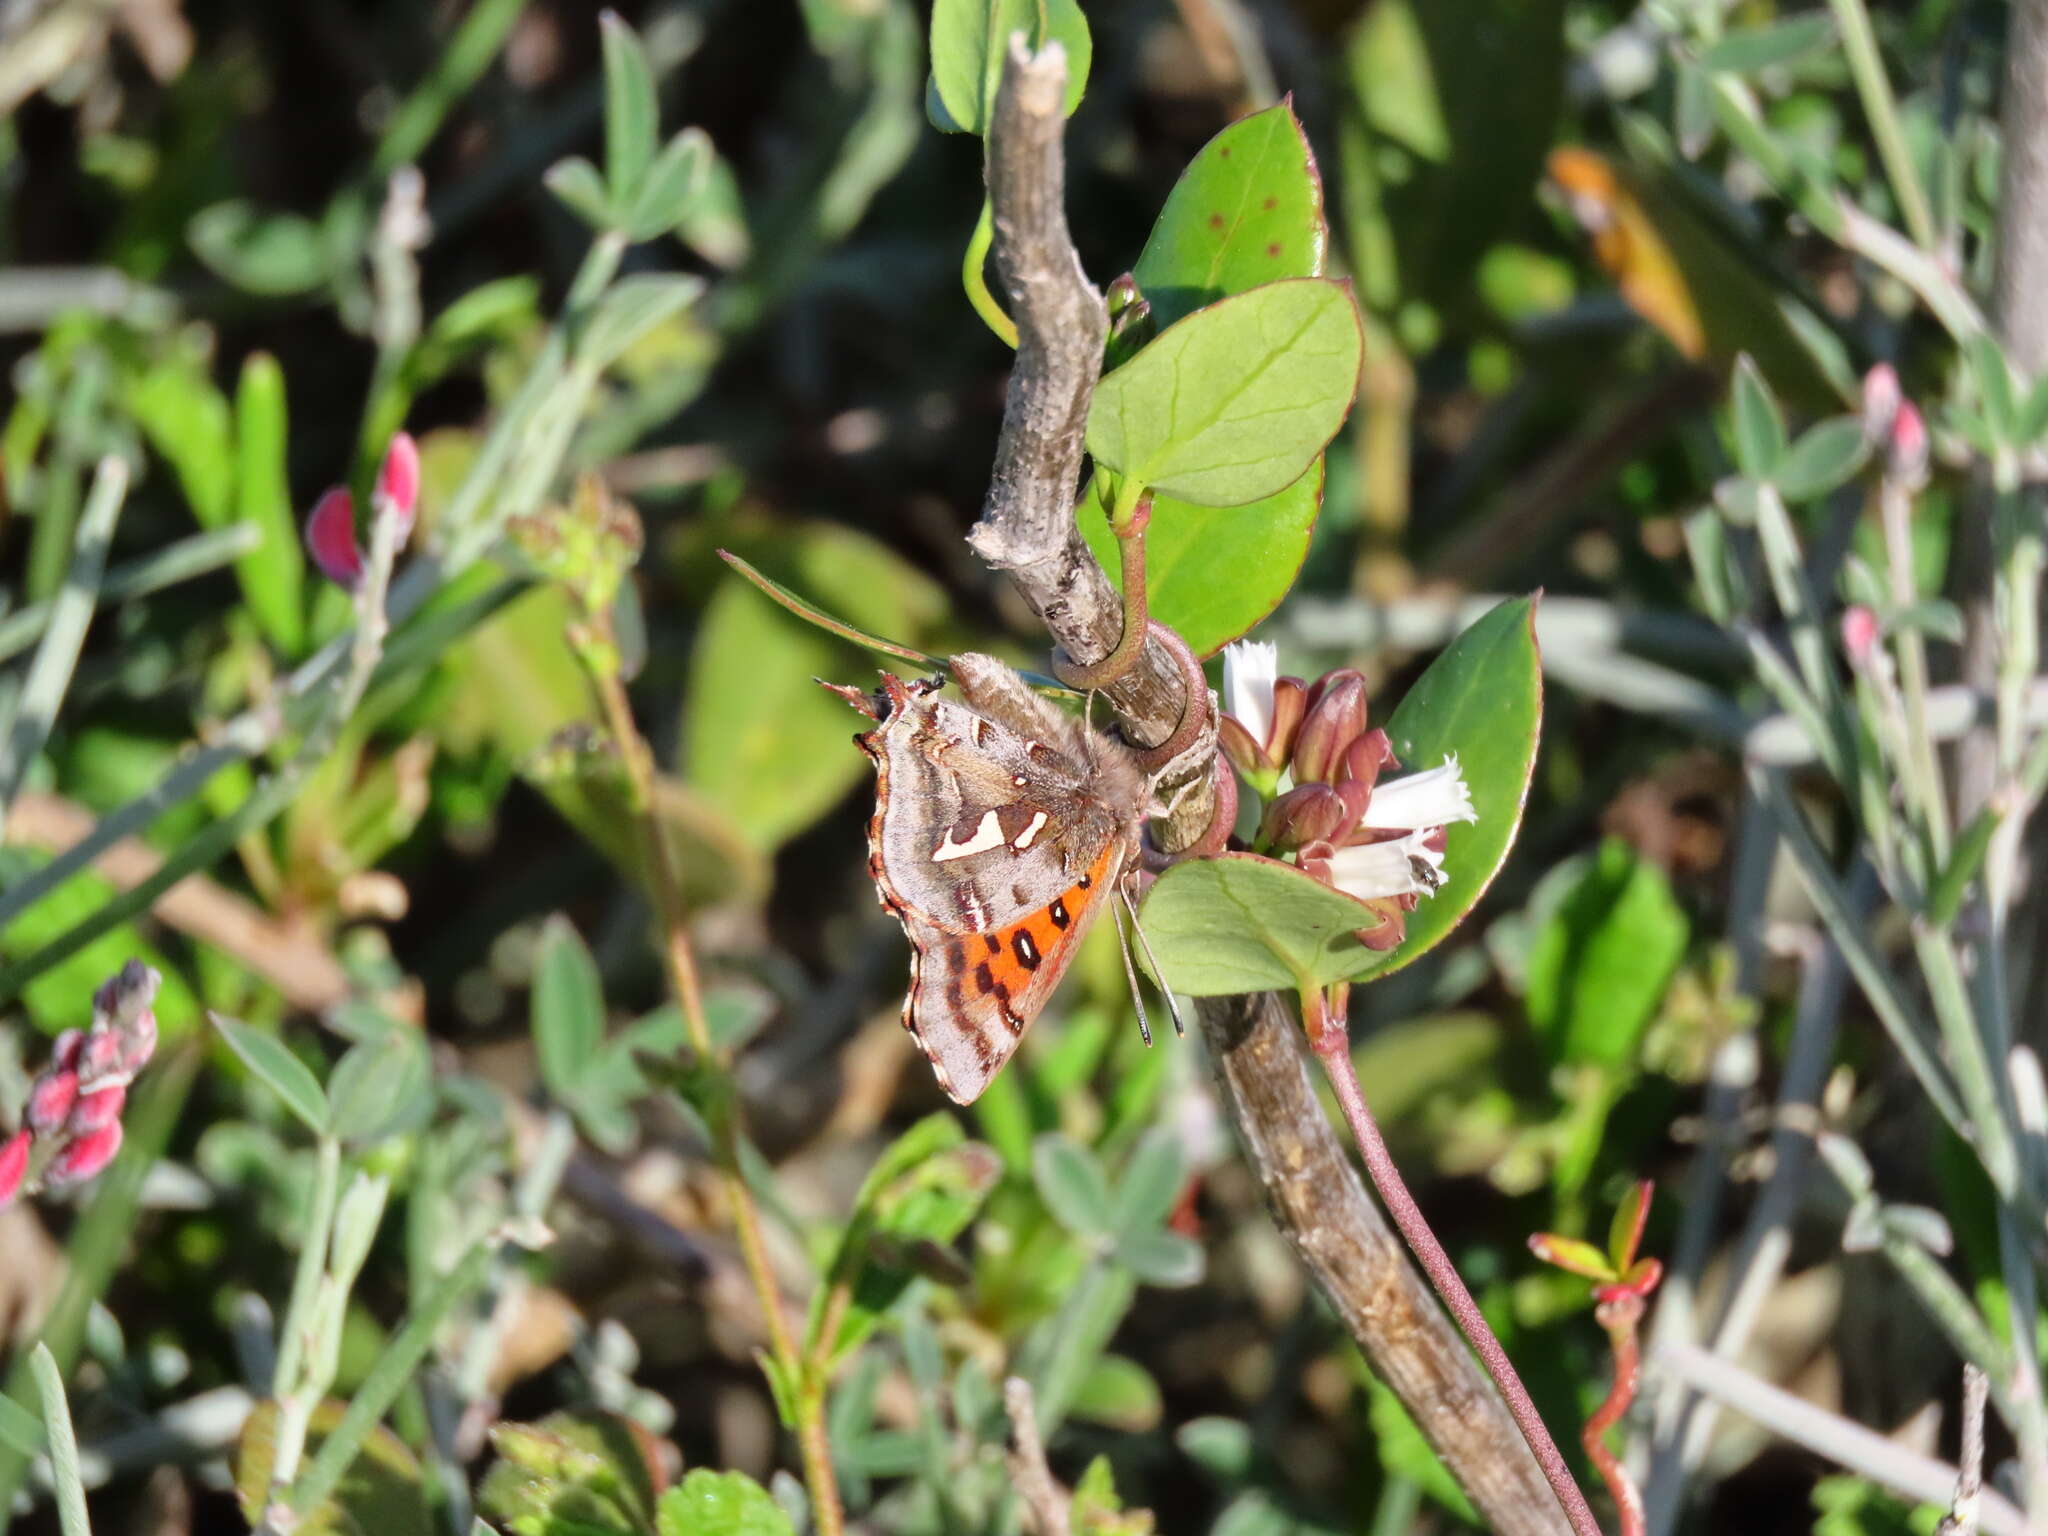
x=1966 y=1508
x=1027 y=529
x=1041 y=1493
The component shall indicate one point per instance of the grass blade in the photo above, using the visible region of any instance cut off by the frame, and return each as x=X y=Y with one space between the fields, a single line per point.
x=63 y=1444
x=199 y=555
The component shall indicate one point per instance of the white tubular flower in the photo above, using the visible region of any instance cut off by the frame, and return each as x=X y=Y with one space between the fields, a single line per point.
x=1434 y=797
x=1406 y=866
x=1251 y=668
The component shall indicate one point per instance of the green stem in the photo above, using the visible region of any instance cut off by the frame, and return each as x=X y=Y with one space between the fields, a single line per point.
x=1859 y=42
x=1989 y=1128
x=296 y=1396
x=974 y=277
x=1922 y=769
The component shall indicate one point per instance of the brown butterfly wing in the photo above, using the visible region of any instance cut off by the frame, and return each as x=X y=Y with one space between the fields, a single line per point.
x=973 y=995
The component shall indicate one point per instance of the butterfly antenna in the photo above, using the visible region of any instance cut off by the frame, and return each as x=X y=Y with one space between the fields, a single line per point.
x=1123 y=945
x=1172 y=1007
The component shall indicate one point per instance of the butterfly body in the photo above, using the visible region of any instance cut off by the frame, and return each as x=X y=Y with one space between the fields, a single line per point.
x=1002 y=828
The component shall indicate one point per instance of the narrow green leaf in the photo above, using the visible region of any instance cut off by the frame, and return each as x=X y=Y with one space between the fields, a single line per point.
x=1824 y=457
x=1995 y=388
x=20 y=1430
x=969 y=40
x=285 y=1075
x=1569 y=1253
x=1234 y=402
x=1152 y=1181
x=1746 y=50
x=1759 y=425
x=200 y=554
x=1482 y=701
x=1245 y=923
x=1160 y=1257
x=567 y=1009
x=63 y=1442
x=1247 y=211
x=576 y=182
x=1625 y=1235
x=630 y=310
x=631 y=111
x=672 y=184
x=273 y=575
x=1071 y=1182
x=1945 y=900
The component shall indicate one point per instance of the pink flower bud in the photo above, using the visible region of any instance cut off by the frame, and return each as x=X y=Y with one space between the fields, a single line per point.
x=85 y=1157
x=1290 y=702
x=1245 y=754
x=138 y=1042
x=1307 y=813
x=1906 y=455
x=50 y=1101
x=13 y=1166
x=64 y=1054
x=102 y=1061
x=331 y=538
x=96 y=1111
x=1859 y=633
x=1881 y=400
x=1335 y=719
x=398 y=482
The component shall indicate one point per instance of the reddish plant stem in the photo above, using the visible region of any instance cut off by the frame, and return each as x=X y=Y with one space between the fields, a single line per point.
x=1619 y=1317
x=1331 y=1043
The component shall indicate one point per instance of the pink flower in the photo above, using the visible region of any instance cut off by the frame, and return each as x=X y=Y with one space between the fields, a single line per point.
x=86 y=1157
x=1859 y=632
x=50 y=1102
x=331 y=526
x=398 y=482
x=96 y=1111
x=13 y=1166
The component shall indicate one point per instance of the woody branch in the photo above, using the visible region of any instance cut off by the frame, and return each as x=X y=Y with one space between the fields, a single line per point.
x=1027 y=530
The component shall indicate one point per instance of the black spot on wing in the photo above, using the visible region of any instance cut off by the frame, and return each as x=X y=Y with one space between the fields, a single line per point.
x=1058 y=913
x=1026 y=951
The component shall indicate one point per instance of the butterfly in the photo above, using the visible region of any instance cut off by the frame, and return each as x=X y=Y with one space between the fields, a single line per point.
x=1003 y=827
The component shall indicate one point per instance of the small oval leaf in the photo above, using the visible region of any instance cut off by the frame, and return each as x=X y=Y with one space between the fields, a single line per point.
x=1071 y=1182
x=567 y=1008
x=1245 y=923
x=1234 y=402
x=287 y=1076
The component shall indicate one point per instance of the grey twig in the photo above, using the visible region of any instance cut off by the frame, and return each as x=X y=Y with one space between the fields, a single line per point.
x=1027 y=530
x=1965 y=1510
x=1033 y=1479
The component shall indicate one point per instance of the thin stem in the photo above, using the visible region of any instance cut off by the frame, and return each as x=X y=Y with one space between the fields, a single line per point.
x=1332 y=1046
x=288 y=1381
x=1859 y=41
x=681 y=962
x=1620 y=1318
x=1963 y=1510
x=1895 y=506
x=974 y=278
x=1127 y=520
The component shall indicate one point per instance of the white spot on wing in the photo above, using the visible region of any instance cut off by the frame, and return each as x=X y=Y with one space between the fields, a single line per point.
x=1023 y=839
x=987 y=835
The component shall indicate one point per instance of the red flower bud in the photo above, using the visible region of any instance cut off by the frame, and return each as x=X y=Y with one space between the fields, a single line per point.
x=1859 y=633
x=138 y=1042
x=1245 y=754
x=1335 y=719
x=96 y=1111
x=64 y=1054
x=13 y=1166
x=85 y=1157
x=331 y=538
x=398 y=482
x=50 y=1101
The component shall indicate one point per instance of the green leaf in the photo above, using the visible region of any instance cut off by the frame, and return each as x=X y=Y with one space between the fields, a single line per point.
x=376 y=1084
x=631 y=309
x=273 y=254
x=1221 y=1447
x=1996 y=391
x=1599 y=967
x=1824 y=457
x=1625 y=1234
x=1573 y=1254
x=1120 y=1393
x=631 y=112
x=672 y=184
x=190 y=423
x=969 y=40
x=381 y=1495
x=1160 y=1257
x=1212 y=573
x=1071 y=1182
x=1152 y=1181
x=1746 y=50
x=288 y=1077
x=1242 y=922
x=720 y=1504
x=1759 y=424
x=576 y=182
x=272 y=575
x=1234 y=402
x=585 y=1471
x=567 y=1008
x=1482 y=701
x=1248 y=210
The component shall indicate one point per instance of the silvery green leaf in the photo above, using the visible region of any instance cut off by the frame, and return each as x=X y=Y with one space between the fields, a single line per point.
x=1161 y=1257
x=581 y=189
x=634 y=307
x=1920 y=1226
x=1824 y=457
x=631 y=112
x=1736 y=496
x=355 y=1225
x=672 y=184
x=1864 y=1229
x=1759 y=425
x=1848 y=1164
